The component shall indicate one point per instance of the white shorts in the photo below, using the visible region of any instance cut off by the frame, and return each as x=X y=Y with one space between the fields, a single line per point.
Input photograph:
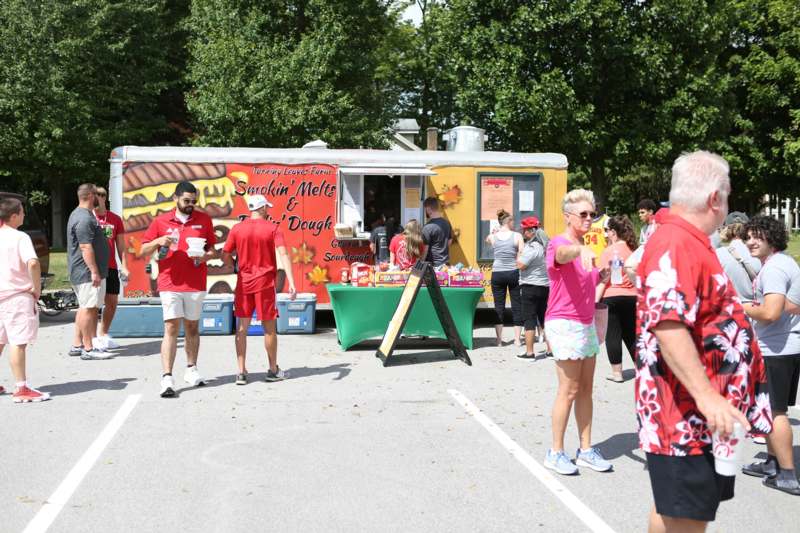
x=570 y=339
x=19 y=320
x=187 y=305
x=90 y=296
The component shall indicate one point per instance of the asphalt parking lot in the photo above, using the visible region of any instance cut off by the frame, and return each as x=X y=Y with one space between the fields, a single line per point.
x=427 y=444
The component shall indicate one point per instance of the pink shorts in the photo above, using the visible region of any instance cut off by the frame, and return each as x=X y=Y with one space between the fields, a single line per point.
x=19 y=320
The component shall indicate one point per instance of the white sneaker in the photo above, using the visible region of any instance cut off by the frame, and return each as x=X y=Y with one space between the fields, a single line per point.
x=167 y=387
x=109 y=342
x=193 y=377
x=99 y=343
x=96 y=354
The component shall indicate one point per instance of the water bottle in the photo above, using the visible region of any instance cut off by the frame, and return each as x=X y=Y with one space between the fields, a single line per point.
x=616 y=269
x=162 y=252
x=383 y=249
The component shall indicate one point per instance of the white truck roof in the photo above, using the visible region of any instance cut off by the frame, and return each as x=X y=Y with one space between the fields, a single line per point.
x=360 y=158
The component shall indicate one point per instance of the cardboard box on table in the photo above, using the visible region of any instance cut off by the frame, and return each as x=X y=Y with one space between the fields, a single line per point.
x=466 y=279
x=396 y=278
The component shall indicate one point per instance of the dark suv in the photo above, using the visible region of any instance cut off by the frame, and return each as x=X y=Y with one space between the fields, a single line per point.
x=33 y=227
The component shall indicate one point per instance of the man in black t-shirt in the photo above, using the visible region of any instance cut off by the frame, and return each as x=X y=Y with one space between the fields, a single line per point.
x=437 y=233
x=379 y=240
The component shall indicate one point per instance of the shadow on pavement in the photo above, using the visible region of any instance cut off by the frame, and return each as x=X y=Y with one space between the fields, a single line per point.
x=437 y=356
x=341 y=369
x=143 y=349
x=621 y=445
x=77 y=387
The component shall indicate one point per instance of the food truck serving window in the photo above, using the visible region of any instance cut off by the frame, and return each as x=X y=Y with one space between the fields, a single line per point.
x=521 y=194
x=367 y=193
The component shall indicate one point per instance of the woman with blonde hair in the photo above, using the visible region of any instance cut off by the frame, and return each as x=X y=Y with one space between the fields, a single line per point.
x=507 y=246
x=569 y=327
x=407 y=248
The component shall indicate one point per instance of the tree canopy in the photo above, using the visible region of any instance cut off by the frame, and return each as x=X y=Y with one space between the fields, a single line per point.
x=619 y=86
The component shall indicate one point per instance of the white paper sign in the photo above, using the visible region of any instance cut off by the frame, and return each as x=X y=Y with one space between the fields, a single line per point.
x=294 y=321
x=208 y=322
x=526 y=200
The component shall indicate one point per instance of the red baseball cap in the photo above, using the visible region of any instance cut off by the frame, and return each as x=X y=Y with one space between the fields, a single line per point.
x=529 y=222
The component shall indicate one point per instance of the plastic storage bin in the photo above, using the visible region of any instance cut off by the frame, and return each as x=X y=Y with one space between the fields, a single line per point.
x=296 y=316
x=217 y=317
x=144 y=317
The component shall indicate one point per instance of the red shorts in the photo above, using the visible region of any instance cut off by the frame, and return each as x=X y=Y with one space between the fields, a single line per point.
x=262 y=303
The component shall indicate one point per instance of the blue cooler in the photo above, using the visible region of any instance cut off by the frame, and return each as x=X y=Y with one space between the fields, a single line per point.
x=143 y=317
x=217 y=317
x=296 y=316
x=137 y=317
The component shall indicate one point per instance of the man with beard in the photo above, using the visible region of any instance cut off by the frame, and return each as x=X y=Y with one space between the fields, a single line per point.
x=87 y=265
x=181 y=280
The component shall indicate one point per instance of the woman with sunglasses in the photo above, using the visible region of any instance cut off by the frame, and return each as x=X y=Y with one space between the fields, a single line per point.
x=619 y=295
x=569 y=326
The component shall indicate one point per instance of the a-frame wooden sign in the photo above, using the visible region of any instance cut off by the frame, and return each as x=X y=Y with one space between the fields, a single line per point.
x=422 y=271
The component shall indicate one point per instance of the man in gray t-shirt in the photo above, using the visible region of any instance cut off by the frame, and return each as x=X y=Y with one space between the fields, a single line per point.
x=82 y=228
x=778 y=335
x=87 y=264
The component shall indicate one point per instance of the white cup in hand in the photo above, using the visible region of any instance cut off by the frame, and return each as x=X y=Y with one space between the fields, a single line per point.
x=728 y=451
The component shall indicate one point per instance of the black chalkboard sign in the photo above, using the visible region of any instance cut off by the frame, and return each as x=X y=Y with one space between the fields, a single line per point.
x=422 y=271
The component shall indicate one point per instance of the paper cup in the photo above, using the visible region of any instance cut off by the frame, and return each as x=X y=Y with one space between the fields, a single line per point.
x=728 y=451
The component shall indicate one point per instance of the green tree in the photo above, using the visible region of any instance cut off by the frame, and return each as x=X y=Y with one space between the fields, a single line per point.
x=279 y=73
x=418 y=66
x=78 y=79
x=615 y=85
x=763 y=59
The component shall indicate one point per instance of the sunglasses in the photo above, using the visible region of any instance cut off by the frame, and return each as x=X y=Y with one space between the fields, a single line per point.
x=101 y=194
x=583 y=214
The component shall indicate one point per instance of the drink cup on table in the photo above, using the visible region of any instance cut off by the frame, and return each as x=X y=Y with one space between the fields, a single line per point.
x=728 y=451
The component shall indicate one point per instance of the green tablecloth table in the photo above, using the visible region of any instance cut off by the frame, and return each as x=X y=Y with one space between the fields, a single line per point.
x=363 y=313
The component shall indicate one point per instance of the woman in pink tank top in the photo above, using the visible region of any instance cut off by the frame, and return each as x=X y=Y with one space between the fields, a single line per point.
x=569 y=326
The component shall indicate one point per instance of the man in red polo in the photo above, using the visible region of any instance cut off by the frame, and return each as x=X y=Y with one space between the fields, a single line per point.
x=698 y=366
x=255 y=241
x=181 y=280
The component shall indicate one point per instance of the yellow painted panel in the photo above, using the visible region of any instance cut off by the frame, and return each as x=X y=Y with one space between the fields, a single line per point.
x=456 y=188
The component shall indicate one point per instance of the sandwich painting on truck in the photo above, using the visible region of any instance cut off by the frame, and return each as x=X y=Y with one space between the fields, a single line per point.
x=304 y=199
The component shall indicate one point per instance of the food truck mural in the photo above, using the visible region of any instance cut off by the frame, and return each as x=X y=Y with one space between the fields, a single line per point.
x=304 y=202
x=314 y=190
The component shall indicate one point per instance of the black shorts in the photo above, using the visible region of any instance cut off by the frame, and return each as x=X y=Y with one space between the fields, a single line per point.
x=783 y=373
x=534 y=305
x=112 y=282
x=688 y=487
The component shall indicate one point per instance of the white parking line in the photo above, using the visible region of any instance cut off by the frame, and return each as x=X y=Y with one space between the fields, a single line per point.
x=577 y=507
x=49 y=511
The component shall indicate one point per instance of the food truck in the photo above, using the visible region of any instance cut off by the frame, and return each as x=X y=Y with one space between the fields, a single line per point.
x=326 y=200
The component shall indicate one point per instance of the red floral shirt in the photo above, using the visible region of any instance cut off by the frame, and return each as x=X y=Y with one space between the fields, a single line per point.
x=680 y=280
